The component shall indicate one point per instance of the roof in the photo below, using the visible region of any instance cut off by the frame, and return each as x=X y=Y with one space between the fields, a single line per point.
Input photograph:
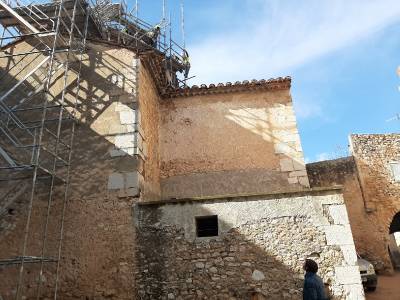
x=280 y=83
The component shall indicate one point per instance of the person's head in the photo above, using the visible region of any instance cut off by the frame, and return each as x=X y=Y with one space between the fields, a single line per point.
x=310 y=266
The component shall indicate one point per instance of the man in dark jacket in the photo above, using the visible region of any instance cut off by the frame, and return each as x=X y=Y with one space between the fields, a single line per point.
x=313 y=285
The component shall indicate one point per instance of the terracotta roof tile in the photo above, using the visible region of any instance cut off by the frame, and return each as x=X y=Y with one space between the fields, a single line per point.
x=279 y=83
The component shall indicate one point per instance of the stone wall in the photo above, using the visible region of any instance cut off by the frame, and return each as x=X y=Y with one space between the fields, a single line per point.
x=261 y=246
x=343 y=172
x=369 y=190
x=149 y=103
x=373 y=154
x=97 y=261
x=232 y=143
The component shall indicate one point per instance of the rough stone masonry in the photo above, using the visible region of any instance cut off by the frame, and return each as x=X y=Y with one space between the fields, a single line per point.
x=370 y=191
x=261 y=246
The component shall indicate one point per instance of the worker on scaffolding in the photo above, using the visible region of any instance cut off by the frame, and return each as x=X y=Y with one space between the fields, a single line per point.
x=153 y=35
x=185 y=63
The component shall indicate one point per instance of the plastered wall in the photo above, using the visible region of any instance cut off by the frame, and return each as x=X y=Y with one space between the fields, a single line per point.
x=234 y=143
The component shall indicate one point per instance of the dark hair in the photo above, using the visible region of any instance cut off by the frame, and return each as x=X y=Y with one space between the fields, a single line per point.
x=310 y=266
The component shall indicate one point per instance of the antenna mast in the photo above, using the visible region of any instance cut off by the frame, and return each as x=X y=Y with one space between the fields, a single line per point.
x=397 y=116
x=163 y=9
x=183 y=23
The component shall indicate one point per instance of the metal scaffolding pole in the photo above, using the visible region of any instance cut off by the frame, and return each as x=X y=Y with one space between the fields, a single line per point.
x=37 y=124
x=32 y=141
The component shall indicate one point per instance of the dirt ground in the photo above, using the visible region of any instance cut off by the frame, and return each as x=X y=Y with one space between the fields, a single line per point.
x=388 y=288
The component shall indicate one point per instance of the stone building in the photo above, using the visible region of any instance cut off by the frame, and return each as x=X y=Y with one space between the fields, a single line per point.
x=181 y=193
x=371 y=189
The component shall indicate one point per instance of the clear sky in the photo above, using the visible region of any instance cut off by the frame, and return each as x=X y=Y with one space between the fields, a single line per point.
x=342 y=56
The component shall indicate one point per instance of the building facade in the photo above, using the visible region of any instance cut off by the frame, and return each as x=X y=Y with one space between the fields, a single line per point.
x=197 y=193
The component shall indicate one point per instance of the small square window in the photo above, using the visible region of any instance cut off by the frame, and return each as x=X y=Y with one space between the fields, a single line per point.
x=207 y=226
x=395 y=166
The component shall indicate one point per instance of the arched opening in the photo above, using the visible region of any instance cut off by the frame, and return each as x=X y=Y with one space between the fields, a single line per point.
x=394 y=241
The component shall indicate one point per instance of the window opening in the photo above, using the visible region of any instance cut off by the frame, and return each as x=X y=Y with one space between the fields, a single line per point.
x=207 y=226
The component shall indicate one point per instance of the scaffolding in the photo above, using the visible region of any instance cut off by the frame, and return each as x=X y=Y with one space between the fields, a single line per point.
x=153 y=43
x=37 y=124
x=38 y=114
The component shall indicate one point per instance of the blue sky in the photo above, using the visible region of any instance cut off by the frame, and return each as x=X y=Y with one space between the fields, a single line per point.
x=342 y=57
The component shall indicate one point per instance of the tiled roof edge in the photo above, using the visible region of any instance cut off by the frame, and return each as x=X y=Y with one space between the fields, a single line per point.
x=279 y=83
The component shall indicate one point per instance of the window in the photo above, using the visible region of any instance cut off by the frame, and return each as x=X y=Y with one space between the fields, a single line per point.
x=395 y=166
x=207 y=226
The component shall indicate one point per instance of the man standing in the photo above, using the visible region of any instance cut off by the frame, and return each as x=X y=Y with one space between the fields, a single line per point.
x=153 y=35
x=313 y=284
x=186 y=63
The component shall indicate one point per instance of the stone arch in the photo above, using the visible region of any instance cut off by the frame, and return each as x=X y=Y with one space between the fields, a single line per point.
x=393 y=246
x=395 y=224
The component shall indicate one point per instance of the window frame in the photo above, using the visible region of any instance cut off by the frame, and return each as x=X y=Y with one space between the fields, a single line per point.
x=395 y=175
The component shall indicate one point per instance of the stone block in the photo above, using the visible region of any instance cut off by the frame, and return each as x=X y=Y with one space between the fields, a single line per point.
x=347 y=275
x=349 y=254
x=298 y=173
x=298 y=165
x=116 y=129
x=354 y=291
x=132 y=180
x=257 y=275
x=298 y=147
x=339 y=235
x=127 y=117
x=132 y=192
x=283 y=148
x=303 y=180
x=293 y=180
x=331 y=200
x=123 y=141
x=129 y=192
x=115 y=181
x=122 y=107
x=286 y=165
x=339 y=214
x=290 y=137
